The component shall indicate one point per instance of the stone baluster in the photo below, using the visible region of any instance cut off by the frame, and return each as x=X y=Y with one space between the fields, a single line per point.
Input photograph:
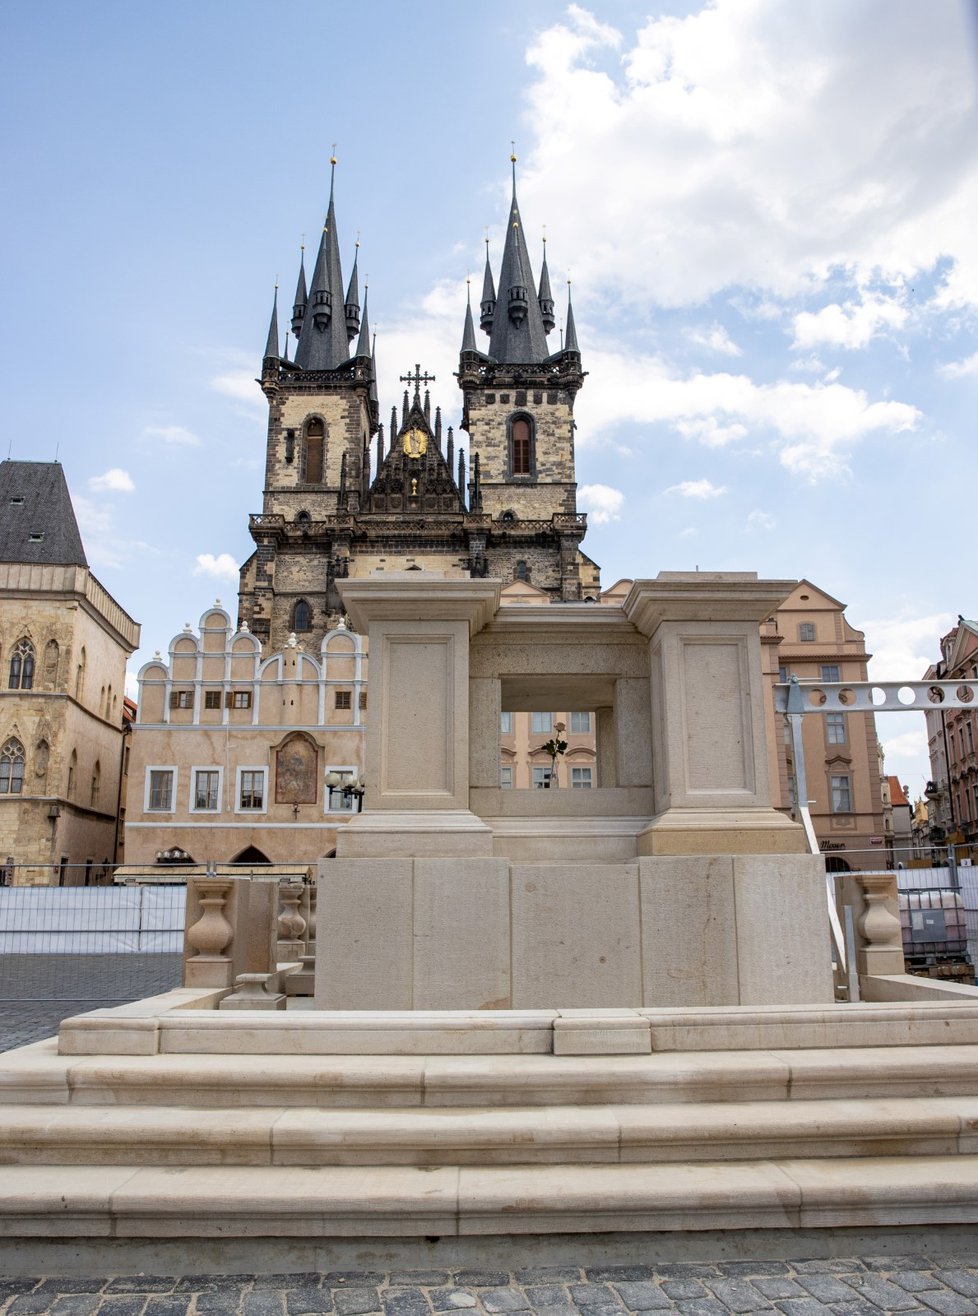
x=291 y=924
x=880 y=951
x=208 y=938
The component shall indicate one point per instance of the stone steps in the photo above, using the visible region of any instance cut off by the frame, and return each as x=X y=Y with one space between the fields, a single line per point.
x=142 y=1136
x=99 y=1203
x=38 y=1075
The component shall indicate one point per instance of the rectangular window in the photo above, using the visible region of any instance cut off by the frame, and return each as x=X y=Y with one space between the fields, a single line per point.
x=160 y=794
x=835 y=728
x=212 y=699
x=829 y=672
x=207 y=789
x=841 y=794
x=363 y=700
x=506 y=724
x=784 y=674
x=342 y=699
x=806 y=631
x=181 y=699
x=581 y=779
x=541 y=724
x=505 y=776
x=580 y=723
x=541 y=778
x=251 y=788
x=336 y=800
x=241 y=699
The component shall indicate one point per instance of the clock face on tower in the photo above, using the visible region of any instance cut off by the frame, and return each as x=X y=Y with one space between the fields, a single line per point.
x=415 y=443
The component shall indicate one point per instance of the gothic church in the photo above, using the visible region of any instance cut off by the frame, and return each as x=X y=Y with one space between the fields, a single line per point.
x=343 y=497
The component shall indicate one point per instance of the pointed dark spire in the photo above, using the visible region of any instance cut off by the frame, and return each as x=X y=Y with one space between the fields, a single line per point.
x=327 y=345
x=405 y=408
x=546 y=298
x=461 y=471
x=353 y=300
x=518 y=335
x=271 y=343
x=438 y=427
x=301 y=296
x=468 y=332
x=488 y=296
x=285 y=349
x=450 y=449
x=363 y=342
x=393 y=426
x=570 y=335
x=427 y=406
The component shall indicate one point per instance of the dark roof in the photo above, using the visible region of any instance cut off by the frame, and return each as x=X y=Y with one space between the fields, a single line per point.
x=37 y=520
x=518 y=339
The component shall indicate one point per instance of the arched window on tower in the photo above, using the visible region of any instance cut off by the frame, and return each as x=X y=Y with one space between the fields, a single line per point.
x=22 y=666
x=521 y=455
x=96 y=783
x=313 y=449
x=12 y=767
x=301 y=616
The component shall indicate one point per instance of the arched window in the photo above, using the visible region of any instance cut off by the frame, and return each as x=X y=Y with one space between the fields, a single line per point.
x=521 y=456
x=12 y=767
x=96 y=783
x=72 y=769
x=315 y=442
x=521 y=571
x=303 y=517
x=22 y=666
x=80 y=675
x=301 y=616
x=51 y=656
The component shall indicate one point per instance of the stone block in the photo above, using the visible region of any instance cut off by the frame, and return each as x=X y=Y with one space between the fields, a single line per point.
x=461 y=934
x=689 y=933
x=783 y=945
x=576 y=939
x=364 y=939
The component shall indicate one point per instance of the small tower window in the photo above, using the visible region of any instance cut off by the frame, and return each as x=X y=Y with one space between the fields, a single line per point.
x=22 y=666
x=521 y=446
x=314 y=445
x=301 y=616
x=521 y=571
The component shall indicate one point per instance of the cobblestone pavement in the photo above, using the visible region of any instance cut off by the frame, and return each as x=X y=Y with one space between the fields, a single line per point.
x=845 y=1287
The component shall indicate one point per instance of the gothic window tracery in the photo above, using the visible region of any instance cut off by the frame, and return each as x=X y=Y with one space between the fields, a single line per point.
x=12 y=767
x=22 y=666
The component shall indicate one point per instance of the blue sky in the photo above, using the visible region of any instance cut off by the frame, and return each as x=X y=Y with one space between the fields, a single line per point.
x=767 y=210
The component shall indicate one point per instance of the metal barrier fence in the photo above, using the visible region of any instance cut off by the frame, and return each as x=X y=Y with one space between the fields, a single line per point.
x=94 y=944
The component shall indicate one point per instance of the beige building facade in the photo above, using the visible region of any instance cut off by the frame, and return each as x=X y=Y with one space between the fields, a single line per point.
x=233 y=748
x=64 y=642
x=809 y=637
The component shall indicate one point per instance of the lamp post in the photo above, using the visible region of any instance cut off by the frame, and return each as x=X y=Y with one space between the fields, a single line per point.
x=351 y=788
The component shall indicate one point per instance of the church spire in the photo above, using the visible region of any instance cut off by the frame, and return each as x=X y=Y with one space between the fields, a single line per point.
x=353 y=299
x=363 y=342
x=488 y=296
x=546 y=297
x=325 y=343
x=301 y=295
x=518 y=333
x=570 y=335
x=271 y=343
x=468 y=332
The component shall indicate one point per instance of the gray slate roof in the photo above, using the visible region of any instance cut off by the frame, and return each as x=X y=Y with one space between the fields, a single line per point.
x=37 y=520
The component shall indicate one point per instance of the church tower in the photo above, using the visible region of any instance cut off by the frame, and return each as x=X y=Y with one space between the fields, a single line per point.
x=343 y=499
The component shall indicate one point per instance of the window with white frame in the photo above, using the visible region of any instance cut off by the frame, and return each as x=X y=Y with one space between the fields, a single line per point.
x=506 y=724
x=251 y=790
x=581 y=778
x=835 y=729
x=841 y=793
x=580 y=723
x=206 y=790
x=829 y=672
x=806 y=631
x=506 y=776
x=541 y=724
x=541 y=778
x=159 y=789
x=338 y=801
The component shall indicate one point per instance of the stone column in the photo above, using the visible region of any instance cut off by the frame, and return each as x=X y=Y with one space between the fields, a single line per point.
x=417 y=753
x=711 y=790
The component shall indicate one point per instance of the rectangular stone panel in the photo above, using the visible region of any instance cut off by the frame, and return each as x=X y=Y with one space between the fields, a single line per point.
x=363 y=934
x=576 y=938
x=461 y=934
x=689 y=934
x=418 y=705
x=783 y=942
x=717 y=735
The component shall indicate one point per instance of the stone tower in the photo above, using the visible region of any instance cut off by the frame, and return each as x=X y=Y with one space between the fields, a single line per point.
x=343 y=499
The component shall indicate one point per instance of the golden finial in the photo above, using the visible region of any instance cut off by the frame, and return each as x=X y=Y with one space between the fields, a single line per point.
x=358 y=240
x=513 y=156
x=276 y=283
x=332 y=158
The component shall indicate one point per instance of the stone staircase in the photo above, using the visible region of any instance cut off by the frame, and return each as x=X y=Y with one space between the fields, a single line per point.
x=445 y=1125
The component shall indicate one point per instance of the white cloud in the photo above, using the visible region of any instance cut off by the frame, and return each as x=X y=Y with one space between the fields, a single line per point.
x=836 y=141
x=904 y=647
x=601 y=502
x=114 y=480
x=758 y=520
x=176 y=435
x=242 y=386
x=697 y=489
x=716 y=339
x=222 y=567
x=959 y=369
x=851 y=325
x=709 y=431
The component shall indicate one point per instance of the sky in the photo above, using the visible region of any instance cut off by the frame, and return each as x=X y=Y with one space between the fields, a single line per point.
x=766 y=208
